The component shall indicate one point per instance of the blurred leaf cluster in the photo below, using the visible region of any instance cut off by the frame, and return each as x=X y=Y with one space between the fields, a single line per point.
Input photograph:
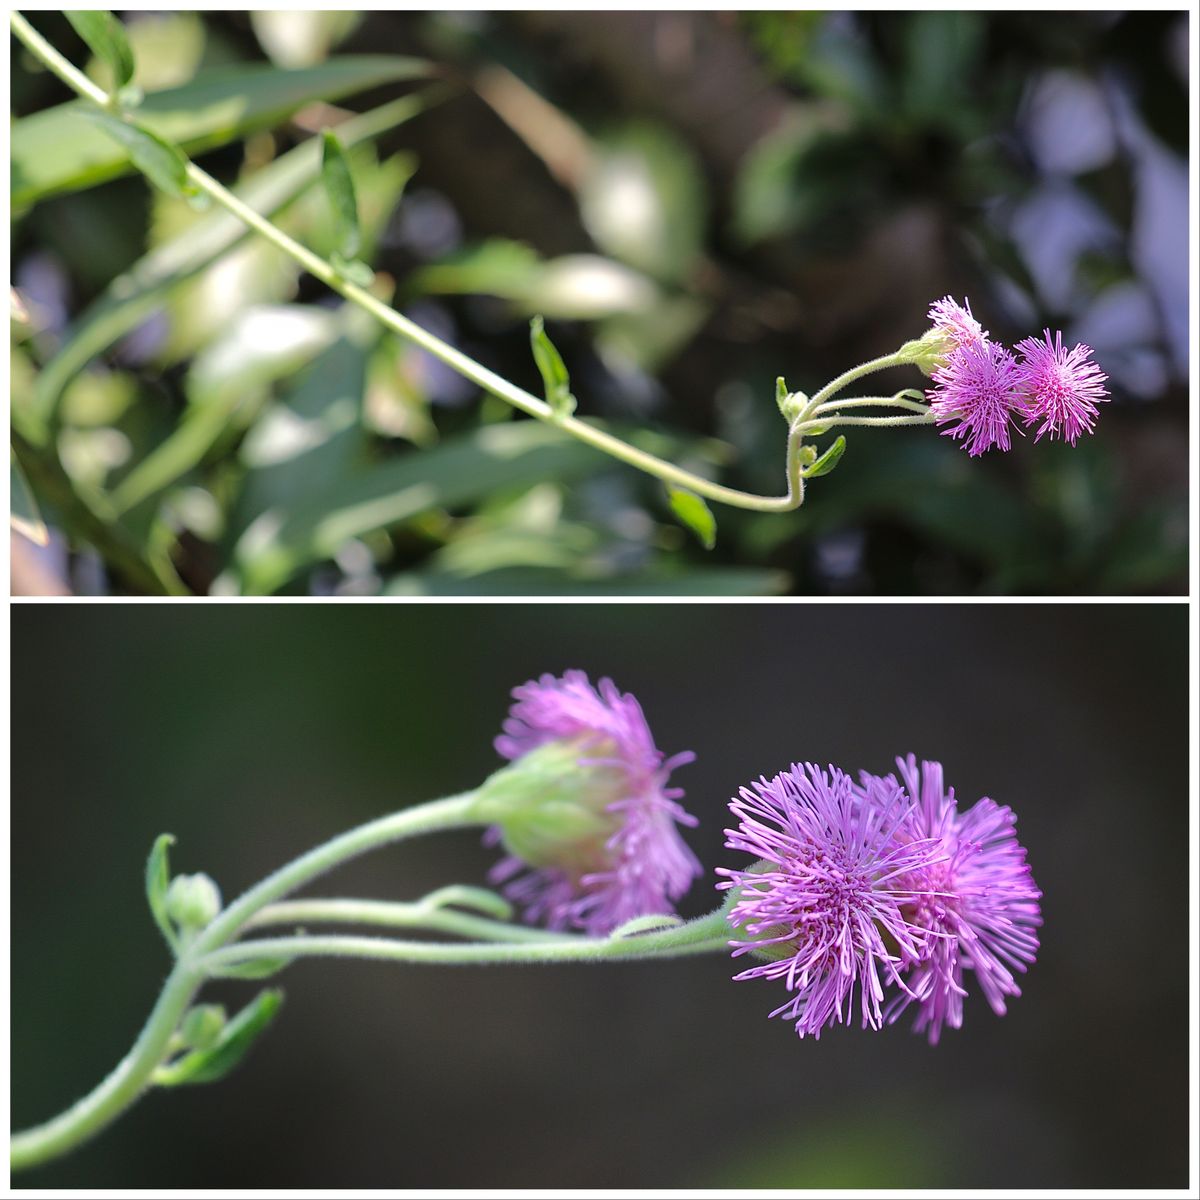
x=696 y=203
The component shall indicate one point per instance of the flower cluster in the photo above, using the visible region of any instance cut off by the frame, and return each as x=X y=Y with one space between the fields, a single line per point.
x=587 y=817
x=879 y=887
x=981 y=386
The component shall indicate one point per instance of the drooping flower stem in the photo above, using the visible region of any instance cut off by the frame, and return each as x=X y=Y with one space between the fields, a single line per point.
x=701 y=936
x=898 y=358
x=478 y=374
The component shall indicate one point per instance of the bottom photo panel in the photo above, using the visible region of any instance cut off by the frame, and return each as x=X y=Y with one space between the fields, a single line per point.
x=575 y=896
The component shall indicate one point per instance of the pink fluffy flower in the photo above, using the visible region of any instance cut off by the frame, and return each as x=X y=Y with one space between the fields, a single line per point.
x=592 y=837
x=824 y=905
x=957 y=322
x=977 y=900
x=978 y=389
x=1061 y=387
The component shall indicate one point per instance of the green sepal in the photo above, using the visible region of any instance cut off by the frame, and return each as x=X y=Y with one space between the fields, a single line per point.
x=207 y=1066
x=162 y=162
x=694 y=513
x=106 y=39
x=555 y=380
x=339 y=188
x=828 y=460
x=158 y=879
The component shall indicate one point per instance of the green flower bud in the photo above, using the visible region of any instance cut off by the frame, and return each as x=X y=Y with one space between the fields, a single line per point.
x=550 y=807
x=929 y=351
x=202 y=1026
x=192 y=901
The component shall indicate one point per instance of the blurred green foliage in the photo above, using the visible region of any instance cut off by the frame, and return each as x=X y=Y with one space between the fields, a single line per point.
x=685 y=247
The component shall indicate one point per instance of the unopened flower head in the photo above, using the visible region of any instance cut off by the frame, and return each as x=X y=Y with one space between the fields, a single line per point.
x=584 y=810
x=1061 y=387
x=954 y=326
x=977 y=900
x=824 y=904
x=978 y=389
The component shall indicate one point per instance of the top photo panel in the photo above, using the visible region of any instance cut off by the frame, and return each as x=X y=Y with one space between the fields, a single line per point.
x=599 y=303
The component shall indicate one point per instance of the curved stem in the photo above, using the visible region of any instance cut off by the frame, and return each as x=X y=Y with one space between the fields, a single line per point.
x=895 y=359
x=882 y=422
x=120 y=1089
x=833 y=406
x=701 y=936
x=396 y=915
x=478 y=374
x=455 y=812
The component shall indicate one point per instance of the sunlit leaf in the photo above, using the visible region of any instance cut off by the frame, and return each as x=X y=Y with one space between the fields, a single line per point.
x=555 y=380
x=105 y=36
x=339 y=189
x=162 y=162
x=828 y=460
x=693 y=512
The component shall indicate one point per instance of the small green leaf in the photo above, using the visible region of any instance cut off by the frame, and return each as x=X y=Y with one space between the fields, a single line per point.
x=202 y=1026
x=207 y=1066
x=352 y=270
x=645 y=924
x=781 y=394
x=828 y=460
x=251 y=968
x=695 y=514
x=161 y=162
x=106 y=39
x=555 y=379
x=158 y=878
x=339 y=188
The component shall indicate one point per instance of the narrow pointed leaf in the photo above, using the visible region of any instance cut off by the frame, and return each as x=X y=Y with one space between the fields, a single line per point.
x=339 y=188
x=207 y=1066
x=695 y=514
x=162 y=162
x=158 y=877
x=106 y=39
x=555 y=380
x=828 y=460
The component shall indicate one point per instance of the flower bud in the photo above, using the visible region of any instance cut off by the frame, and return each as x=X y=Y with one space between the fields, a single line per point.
x=202 y=1026
x=192 y=901
x=929 y=351
x=552 y=804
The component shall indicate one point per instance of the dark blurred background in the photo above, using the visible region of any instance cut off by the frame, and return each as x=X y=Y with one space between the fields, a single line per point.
x=760 y=194
x=253 y=733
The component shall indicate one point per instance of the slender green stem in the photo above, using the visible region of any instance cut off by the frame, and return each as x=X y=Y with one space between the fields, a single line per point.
x=833 y=406
x=896 y=359
x=120 y=1089
x=489 y=381
x=833 y=422
x=455 y=812
x=701 y=936
x=396 y=915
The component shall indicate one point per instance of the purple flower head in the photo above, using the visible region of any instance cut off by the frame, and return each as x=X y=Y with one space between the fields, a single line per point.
x=977 y=899
x=978 y=388
x=1061 y=387
x=825 y=902
x=585 y=813
x=956 y=322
